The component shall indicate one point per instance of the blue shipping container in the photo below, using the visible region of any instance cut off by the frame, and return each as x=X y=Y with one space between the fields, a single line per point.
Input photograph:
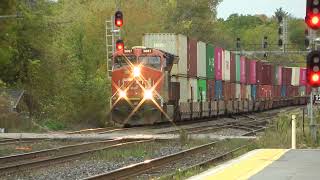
x=253 y=92
x=218 y=94
x=283 y=90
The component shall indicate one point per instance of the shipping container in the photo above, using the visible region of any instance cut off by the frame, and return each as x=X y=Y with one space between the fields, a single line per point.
x=295 y=80
x=242 y=69
x=202 y=90
x=218 y=55
x=174 y=93
x=253 y=92
x=253 y=75
x=264 y=91
x=201 y=58
x=292 y=91
x=232 y=68
x=193 y=87
x=243 y=91
x=247 y=62
x=226 y=66
x=228 y=90
x=210 y=61
x=277 y=75
x=238 y=68
x=184 y=88
x=248 y=92
x=283 y=91
x=210 y=89
x=267 y=76
x=192 y=57
x=277 y=91
x=171 y=43
x=302 y=90
x=258 y=72
x=218 y=90
x=238 y=91
x=303 y=76
x=286 y=76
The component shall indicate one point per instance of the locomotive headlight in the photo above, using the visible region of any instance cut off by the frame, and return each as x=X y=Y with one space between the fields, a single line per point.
x=122 y=94
x=136 y=71
x=148 y=94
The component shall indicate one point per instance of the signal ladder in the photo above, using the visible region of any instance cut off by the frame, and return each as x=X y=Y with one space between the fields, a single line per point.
x=112 y=34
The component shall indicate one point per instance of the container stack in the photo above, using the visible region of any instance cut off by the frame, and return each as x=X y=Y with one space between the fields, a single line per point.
x=206 y=73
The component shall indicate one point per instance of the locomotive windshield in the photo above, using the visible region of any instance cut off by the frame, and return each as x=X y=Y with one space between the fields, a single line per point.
x=150 y=61
x=121 y=61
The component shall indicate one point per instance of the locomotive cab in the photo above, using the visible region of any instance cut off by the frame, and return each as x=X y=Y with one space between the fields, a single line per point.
x=139 y=85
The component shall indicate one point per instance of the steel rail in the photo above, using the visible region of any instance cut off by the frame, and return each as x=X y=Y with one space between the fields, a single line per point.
x=45 y=161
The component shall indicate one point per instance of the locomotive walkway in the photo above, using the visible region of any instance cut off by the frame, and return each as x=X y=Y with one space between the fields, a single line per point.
x=266 y=164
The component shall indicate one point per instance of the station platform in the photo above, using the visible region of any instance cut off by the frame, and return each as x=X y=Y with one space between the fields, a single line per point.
x=268 y=164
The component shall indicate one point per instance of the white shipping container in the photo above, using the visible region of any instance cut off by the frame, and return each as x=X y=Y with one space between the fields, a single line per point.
x=171 y=43
x=295 y=81
x=226 y=66
x=238 y=91
x=248 y=92
x=184 y=92
x=201 y=60
x=193 y=89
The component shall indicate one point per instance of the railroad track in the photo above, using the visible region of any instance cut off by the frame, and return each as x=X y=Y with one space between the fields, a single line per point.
x=137 y=169
x=20 y=162
x=15 y=141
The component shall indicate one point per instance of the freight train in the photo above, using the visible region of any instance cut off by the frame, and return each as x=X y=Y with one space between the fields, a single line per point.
x=176 y=78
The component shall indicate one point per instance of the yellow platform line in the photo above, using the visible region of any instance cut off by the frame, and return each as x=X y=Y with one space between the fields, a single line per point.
x=246 y=166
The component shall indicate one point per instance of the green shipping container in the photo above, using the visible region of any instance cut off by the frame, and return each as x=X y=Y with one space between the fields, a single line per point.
x=238 y=68
x=202 y=89
x=210 y=61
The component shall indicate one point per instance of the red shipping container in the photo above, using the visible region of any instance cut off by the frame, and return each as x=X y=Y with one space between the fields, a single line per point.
x=192 y=57
x=228 y=91
x=247 y=62
x=210 y=89
x=243 y=91
x=267 y=76
x=258 y=72
x=303 y=76
x=242 y=69
x=286 y=76
x=218 y=63
x=292 y=91
x=232 y=90
x=264 y=91
x=277 y=91
x=253 y=75
x=232 y=68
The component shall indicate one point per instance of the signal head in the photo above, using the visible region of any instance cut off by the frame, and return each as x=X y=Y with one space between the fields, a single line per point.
x=313 y=14
x=313 y=69
x=118 y=19
x=119 y=45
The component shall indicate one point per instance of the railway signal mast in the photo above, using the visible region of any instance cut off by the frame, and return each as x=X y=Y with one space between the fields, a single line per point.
x=113 y=37
x=312 y=19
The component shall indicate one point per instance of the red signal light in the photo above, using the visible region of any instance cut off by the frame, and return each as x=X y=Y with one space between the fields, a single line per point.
x=119 y=45
x=315 y=78
x=315 y=20
x=118 y=19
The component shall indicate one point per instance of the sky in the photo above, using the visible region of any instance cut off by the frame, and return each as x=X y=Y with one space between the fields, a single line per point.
x=297 y=8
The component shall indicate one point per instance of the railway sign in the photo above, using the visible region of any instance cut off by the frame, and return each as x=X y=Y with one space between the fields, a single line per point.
x=316 y=99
